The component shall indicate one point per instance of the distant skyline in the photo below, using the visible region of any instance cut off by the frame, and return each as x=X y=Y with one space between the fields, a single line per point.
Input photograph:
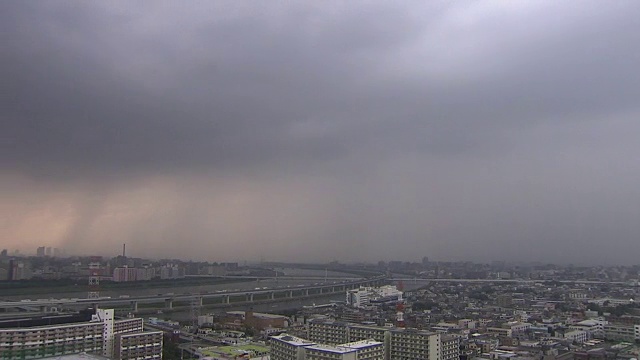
x=253 y=262
x=320 y=131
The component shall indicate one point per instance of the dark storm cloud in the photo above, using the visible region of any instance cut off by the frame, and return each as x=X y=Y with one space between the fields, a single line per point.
x=452 y=128
x=84 y=92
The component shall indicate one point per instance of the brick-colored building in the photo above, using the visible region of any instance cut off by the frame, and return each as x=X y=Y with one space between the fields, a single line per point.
x=258 y=321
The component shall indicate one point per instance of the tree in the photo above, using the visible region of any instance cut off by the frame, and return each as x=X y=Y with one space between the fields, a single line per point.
x=594 y=307
x=426 y=305
x=170 y=350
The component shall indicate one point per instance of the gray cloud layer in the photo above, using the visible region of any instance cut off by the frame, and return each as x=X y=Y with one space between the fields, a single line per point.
x=316 y=131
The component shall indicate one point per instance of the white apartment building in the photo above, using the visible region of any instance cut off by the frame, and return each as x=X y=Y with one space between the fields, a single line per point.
x=595 y=328
x=97 y=336
x=409 y=344
x=141 y=345
x=123 y=274
x=361 y=332
x=46 y=341
x=170 y=272
x=329 y=352
x=329 y=332
x=399 y=343
x=367 y=349
x=611 y=301
x=517 y=327
x=450 y=347
x=578 y=295
x=145 y=273
x=288 y=347
x=365 y=296
x=359 y=350
x=578 y=336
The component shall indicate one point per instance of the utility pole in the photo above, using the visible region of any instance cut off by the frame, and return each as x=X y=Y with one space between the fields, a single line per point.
x=196 y=304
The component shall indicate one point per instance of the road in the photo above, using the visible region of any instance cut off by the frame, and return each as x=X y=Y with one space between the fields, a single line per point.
x=169 y=298
x=524 y=281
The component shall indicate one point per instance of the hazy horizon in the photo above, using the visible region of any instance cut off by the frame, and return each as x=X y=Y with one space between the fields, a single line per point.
x=320 y=131
x=263 y=261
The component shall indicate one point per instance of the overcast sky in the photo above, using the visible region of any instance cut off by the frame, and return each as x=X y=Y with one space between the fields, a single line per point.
x=322 y=130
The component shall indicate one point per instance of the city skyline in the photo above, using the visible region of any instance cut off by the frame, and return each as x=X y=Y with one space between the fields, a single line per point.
x=315 y=132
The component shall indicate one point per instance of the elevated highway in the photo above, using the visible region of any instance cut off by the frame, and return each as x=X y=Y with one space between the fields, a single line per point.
x=219 y=297
x=519 y=281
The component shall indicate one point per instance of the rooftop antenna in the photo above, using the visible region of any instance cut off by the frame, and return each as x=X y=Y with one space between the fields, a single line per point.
x=124 y=250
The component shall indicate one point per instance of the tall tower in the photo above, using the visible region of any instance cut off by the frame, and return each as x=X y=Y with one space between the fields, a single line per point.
x=94 y=277
x=196 y=305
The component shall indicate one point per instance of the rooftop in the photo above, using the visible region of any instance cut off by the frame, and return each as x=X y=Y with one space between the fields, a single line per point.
x=292 y=340
x=81 y=356
x=333 y=349
x=361 y=344
x=25 y=321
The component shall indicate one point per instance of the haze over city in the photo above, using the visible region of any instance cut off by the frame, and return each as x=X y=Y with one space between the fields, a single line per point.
x=318 y=131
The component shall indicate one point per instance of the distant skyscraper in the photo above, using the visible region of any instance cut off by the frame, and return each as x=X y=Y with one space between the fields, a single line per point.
x=48 y=251
x=18 y=270
x=124 y=274
x=425 y=261
x=3 y=253
x=40 y=251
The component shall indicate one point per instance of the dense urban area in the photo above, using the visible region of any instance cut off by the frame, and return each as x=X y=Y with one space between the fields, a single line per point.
x=389 y=310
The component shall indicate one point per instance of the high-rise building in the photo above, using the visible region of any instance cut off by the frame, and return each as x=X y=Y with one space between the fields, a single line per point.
x=145 y=273
x=126 y=273
x=18 y=270
x=425 y=261
x=40 y=251
x=171 y=272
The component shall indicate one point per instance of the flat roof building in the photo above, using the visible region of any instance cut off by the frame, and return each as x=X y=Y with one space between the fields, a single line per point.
x=288 y=347
x=100 y=334
x=399 y=343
